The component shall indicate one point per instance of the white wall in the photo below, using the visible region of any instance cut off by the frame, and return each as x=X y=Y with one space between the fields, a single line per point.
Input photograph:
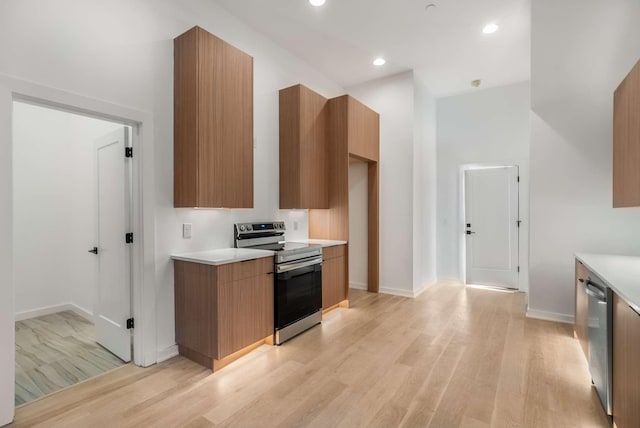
x=488 y=127
x=580 y=53
x=392 y=98
x=407 y=180
x=122 y=52
x=54 y=207
x=358 y=224
x=424 y=186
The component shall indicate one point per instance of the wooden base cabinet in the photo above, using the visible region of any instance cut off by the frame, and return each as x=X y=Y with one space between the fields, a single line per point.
x=626 y=365
x=334 y=276
x=220 y=310
x=581 y=326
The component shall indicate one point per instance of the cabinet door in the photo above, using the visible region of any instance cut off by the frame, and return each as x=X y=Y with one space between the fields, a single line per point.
x=213 y=123
x=245 y=313
x=626 y=368
x=626 y=141
x=334 y=289
x=581 y=326
x=195 y=307
x=341 y=279
x=303 y=149
x=329 y=275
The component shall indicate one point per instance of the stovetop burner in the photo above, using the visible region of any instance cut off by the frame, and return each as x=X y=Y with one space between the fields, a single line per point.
x=270 y=236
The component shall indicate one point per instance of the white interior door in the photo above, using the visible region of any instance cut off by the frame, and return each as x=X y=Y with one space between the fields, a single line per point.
x=491 y=217
x=113 y=305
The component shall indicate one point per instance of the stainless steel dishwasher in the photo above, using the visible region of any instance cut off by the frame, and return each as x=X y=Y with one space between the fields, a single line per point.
x=600 y=338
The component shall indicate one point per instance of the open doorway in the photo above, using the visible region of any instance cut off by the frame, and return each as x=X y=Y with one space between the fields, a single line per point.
x=491 y=226
x=72 y=266
x=358 y=224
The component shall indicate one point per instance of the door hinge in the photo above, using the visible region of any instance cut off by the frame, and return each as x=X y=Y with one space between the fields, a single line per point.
x=518 y=222
x=518 y=179
x=129 y=238
x=518 y=268
x=128 y=152
x=129 y=323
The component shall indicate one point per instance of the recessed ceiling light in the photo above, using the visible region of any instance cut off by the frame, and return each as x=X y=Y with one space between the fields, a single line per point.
x=317 y=2
x=490 y=28
x=379 y=61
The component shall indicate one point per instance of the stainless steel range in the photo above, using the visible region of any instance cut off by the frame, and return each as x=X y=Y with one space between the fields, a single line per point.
x=298 y=277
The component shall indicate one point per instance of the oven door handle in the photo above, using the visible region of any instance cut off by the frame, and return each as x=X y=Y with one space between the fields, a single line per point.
x=293 y=266
x=596 y=292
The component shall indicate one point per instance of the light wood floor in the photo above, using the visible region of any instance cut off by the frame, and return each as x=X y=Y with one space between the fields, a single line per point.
x=56 y=351
x=453 y=357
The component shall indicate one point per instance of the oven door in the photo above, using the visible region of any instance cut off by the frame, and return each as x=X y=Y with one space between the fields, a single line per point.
x=298 y=291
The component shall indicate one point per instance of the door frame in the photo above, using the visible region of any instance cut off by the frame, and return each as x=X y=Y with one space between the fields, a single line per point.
x=143 y=251
x=462 y=218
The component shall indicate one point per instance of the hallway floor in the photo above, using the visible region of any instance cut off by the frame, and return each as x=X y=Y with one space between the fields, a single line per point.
x=56 y=351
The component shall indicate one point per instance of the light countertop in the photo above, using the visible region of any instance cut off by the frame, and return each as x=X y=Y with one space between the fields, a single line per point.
x=620 y=273
x=323 y=242
x=223 y=256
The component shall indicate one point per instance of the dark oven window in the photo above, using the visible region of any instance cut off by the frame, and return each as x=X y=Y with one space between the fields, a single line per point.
x=298 y=294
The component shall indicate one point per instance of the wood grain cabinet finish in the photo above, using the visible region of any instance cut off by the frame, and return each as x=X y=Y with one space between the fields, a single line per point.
x=303 y=149
x=581 y=325
x=213 y=123
x=364 y=131
x=245 y=313
x=353 y=133
x=220 y=310
x=626 y=141
x=626 y=365
x=334 y=276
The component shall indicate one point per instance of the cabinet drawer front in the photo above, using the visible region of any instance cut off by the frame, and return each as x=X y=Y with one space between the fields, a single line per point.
x=246 y=269
x=333 y=252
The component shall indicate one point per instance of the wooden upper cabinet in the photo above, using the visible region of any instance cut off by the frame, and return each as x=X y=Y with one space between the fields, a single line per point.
x=364 y=131
x=358 y=125
x=626 y=141
x=213 y=123
x=303 y=149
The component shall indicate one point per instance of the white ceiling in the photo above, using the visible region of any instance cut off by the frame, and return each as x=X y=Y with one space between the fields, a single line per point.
x=342 y=38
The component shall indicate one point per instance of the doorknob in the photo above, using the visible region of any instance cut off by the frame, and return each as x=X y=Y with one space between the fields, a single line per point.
x=469 y=232
x=94 y=250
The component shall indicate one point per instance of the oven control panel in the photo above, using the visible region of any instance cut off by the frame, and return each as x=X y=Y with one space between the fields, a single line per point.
x=276 y=227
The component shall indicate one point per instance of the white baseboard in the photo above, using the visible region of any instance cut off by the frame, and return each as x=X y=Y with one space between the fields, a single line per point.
x=550 y=316
x=358 y=285
x=396 y=292
x=48 y=310
x=84 y=313
x=167 y=353
x=424 y=288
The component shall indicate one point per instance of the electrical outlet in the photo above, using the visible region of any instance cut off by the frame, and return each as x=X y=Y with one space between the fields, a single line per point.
x=186 y=230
